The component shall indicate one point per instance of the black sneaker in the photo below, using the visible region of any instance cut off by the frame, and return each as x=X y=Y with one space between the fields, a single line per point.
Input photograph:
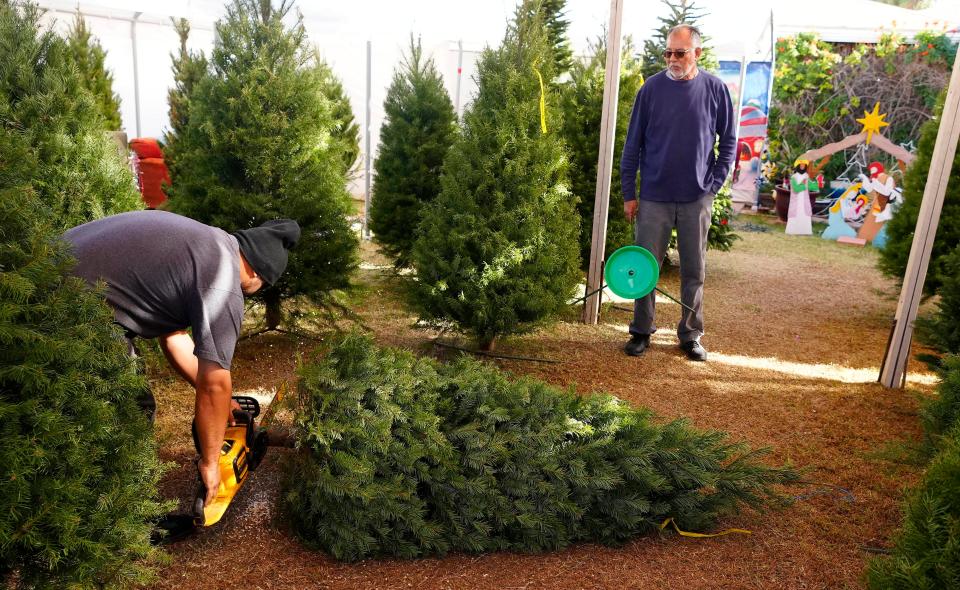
x=637 y=345
x=695 y=351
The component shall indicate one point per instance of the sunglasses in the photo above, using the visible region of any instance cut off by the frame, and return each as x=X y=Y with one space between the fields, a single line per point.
x=677 y=53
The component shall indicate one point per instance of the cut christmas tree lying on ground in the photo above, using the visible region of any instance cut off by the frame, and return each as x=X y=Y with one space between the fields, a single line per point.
x=406 y=456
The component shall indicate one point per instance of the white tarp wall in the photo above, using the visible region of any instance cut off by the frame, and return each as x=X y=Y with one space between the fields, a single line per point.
x=341 y=29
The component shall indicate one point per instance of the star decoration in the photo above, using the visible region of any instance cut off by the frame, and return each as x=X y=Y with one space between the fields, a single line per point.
x=910 y=146
x=872 y=122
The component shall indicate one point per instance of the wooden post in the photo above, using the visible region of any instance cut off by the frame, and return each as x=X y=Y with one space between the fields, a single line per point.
x=894 y=364
x=608 y=127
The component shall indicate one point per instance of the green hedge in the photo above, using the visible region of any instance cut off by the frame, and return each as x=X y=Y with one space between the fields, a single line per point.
x=405 y=456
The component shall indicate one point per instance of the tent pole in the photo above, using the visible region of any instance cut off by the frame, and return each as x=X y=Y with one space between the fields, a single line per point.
x=136 y=71
x=366 y=143
x=608 y=127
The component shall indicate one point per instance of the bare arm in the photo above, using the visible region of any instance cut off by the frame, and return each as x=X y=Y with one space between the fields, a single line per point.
x=178 y=348
x=214 y=388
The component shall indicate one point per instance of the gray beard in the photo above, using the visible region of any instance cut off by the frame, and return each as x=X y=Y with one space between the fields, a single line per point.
x=696 y=72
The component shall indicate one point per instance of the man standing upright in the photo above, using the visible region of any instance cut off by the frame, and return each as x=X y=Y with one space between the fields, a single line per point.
x=676 y=119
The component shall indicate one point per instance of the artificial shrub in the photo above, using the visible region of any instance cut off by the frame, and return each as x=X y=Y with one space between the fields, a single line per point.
x=406 y=456
x=497 y=250
x=417 y=132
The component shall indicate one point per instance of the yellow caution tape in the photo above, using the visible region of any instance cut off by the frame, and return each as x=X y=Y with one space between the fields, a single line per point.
x=701 y=535
x=543 y=100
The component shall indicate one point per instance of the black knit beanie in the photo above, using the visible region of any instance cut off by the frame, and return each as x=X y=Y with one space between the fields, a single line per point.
x=265 y=247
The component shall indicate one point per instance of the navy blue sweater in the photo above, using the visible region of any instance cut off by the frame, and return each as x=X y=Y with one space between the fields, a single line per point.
x=671 y=137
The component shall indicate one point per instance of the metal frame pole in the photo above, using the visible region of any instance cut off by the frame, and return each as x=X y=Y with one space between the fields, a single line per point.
x=136 y=69
x=456 y=106
x=366 y=141
x=743 y=79
x=608 y=128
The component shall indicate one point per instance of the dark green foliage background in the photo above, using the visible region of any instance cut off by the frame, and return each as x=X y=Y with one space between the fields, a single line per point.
x=78 y=464
x=189 y=67
x=941 y=330
x=900 y=229
x=345 y=131
x=683 y=12
x=69 y=163
x=89 y=57
x=418 y=130
x=582 y=103
x=259 y=144
x=926 y=552
x=497 y=250
x=406 y=456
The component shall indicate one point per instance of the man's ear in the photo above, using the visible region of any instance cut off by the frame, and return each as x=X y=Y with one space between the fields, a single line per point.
x=698 y=52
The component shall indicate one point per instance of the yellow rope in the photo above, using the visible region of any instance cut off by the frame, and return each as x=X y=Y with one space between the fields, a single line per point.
x=701 y=535
x=543 y=100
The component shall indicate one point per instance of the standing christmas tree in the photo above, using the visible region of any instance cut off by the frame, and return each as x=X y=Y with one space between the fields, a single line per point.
x=89 y=57
x=497 y=252
x=345 y=129
x=416 y=135
x=72 y=165
x=77 y=456
x=900 y=229
x=258 y=144
x=557 y=25
x=582 y=107
x=188 y=68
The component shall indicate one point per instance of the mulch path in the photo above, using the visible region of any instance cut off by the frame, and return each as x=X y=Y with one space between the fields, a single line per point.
x=796 y=331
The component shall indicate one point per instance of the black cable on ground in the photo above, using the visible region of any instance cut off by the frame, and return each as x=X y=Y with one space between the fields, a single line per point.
x=494 y=355
x=822 y=492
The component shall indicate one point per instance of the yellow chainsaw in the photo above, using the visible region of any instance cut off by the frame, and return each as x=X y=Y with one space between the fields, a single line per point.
x=244 y=446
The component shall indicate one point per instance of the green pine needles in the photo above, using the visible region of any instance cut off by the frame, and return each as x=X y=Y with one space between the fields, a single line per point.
x=345 y=130
x=259 y=143
x=418 y=130
x=582 y=101
x=926 y=553
x=497 y=250
x=553 y=14
x=406 y=456
x=78 y=464
x=71 y=164
x=89 y=56
x=941 y=330
x=900 y=229
x=188 y=68
x=682 y=12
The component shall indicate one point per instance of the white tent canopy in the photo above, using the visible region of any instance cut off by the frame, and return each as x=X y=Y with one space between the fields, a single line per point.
x=341 y=30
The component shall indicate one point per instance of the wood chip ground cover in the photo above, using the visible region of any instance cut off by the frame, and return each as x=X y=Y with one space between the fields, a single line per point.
x=796 y=329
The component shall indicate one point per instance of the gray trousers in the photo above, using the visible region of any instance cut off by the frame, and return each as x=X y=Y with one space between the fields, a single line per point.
x=654 y=223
